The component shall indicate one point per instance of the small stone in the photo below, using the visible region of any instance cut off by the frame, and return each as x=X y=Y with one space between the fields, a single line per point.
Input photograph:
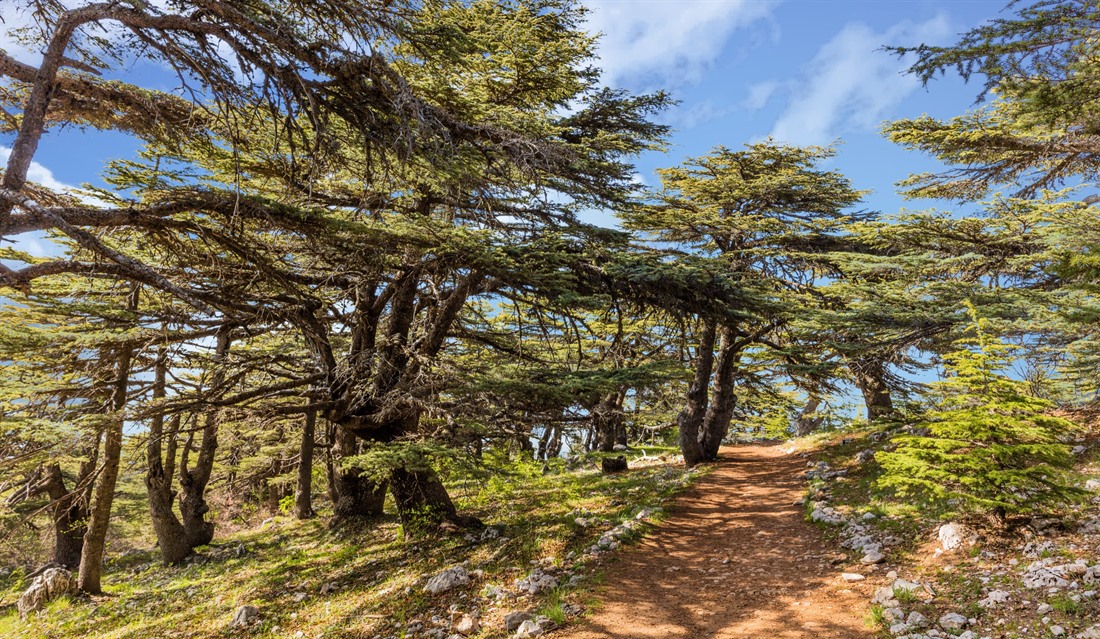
x=513 y=620
x=916 y=620
x=1092 y=485
x=873 y=557
x=448 y=579
x=528 y=629
x=893 y=615
x=1078 y=450
x=467 y=625
x=1057 y=631
x=244 y=616
x=1045 y=608
x=954 y=535
x=851 y=576
x=953 y=621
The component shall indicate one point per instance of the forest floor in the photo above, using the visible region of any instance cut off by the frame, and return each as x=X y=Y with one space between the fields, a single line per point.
x=734 y=558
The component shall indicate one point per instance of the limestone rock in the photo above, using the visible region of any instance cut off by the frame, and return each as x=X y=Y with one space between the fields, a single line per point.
x=448 y=579
x=244 y=616
x=873 y=557
x=1092 y=632
x=467 y=625
x=528 y=629
x=953 y=621
x=513 y=620
x=953 y=536
x=851 y=576
x=51 y=584
x=536 y=582
x=993 y=598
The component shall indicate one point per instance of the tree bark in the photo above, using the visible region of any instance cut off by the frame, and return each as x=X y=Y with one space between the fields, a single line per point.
x=95 y=540
x=870 y=377
x=171 y=537
x=690 y=419
x=422 y=501
x=806 y=423
x=607 y=418
x=353 y=495
x=70 y=512
x=303 y=495
x=716 y=423
x=193 y=481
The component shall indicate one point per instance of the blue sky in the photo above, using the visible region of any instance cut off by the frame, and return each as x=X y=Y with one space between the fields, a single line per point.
x=804 y=72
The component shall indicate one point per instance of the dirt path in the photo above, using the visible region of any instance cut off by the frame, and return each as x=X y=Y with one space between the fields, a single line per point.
x=778 y=581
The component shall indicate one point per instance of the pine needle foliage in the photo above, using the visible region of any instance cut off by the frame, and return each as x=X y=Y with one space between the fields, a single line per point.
x=989 y=447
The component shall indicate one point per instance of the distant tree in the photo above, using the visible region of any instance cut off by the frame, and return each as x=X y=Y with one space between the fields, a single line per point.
x=763 y=216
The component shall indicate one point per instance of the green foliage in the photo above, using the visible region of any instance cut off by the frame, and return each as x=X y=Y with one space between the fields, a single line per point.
x=990 y=448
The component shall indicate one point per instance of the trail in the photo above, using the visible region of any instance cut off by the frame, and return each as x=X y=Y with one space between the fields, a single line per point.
x=778 y=581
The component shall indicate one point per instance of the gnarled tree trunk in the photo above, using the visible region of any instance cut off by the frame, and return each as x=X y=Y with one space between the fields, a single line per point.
x=690 y=419
x=160 y=454
x=807 y=421
x=352 y=494
x=716 y=424
x=870 y=377
x=193 y=481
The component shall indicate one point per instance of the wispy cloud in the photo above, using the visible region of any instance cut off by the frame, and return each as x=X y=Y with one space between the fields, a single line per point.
x=759 y=95
x=655 y=43
x=850 y=85
x=13 y=21
x=37 y=173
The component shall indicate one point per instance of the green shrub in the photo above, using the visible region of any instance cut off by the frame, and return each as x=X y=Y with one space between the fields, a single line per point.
x=990 y=448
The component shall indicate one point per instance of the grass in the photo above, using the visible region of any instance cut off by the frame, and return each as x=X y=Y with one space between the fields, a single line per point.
x=379 y=577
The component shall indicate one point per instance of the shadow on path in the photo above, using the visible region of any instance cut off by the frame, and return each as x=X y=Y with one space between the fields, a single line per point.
x=734 y=559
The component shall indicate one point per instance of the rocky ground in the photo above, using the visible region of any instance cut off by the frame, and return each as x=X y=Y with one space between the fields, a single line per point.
x=1037 y=578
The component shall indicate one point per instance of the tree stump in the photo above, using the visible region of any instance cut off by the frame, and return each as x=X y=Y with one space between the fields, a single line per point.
x=614 y=464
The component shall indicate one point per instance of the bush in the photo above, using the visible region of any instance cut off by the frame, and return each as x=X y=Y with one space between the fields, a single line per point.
x=990 y=448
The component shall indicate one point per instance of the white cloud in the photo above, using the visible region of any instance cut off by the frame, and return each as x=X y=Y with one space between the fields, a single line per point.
x=759 y=94
x=12 y=21
x=850 y=84
x=699 y=113
x=37 y=173
x=663 y=43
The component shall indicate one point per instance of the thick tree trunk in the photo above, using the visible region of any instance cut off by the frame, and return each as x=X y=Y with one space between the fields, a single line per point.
x=607 y=418
x=303 y=494
x=95 y=540
x=353 y=495
x=160 y=453
x=193 y=481
x=870 y=377
x=716 y=424
x=422 y=501
x=807 y=422
x=690 y=420
x=70 y=513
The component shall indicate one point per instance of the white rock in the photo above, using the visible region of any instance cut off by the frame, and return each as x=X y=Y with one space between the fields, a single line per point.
x=916 y=620
x=51 y=584
x=954 y=535
x=851 y=576
x=244 y=616
x=528 y=629
x=893 y=615
x=953 y=621
x=1093 y=485
x=899 y=629
x=539 y=581
x=1044 y=608
x=1078 y=450
x=993 y=597
x=1092 y=632
x=448 y=579
x=1057 y=631
x=873 y=557
x=467 y=625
